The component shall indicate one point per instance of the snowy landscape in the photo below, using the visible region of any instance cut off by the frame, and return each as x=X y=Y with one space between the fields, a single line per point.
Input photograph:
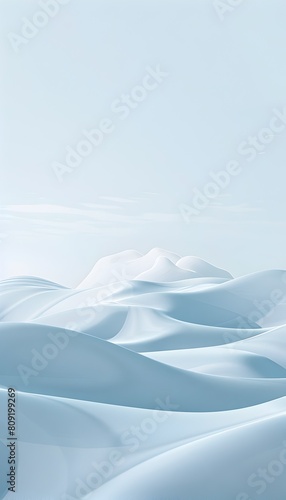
x=152 y=379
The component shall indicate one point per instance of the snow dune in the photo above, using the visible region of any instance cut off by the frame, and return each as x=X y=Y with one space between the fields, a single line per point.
x=159 y=377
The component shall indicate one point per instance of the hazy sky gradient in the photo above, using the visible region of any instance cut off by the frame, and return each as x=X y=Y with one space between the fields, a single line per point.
x=224 y=80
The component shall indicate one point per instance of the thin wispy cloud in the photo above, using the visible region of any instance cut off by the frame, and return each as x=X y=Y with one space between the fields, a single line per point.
x=240 y=208
x=117 y=199
x=83 y=218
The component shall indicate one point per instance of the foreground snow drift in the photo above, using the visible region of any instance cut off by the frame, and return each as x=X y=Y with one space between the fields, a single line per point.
x=159 y=377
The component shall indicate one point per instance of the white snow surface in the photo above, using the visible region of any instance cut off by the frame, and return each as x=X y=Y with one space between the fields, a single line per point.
x=159 y=377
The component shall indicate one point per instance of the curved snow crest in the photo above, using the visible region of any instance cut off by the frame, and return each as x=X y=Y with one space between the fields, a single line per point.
x=156 y=369
x=157 y=265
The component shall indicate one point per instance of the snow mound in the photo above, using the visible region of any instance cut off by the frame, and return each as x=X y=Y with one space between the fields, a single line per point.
x=157 y=371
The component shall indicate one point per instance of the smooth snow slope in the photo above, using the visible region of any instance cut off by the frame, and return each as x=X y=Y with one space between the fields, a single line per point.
x=159 y=377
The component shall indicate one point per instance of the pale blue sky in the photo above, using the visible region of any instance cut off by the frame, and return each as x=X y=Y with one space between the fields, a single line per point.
x=224 y=79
